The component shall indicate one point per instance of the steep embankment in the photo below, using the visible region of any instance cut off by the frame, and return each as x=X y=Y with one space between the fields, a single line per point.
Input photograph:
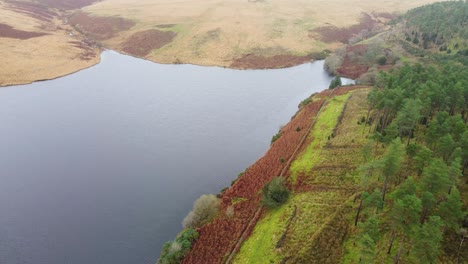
x=312 y=224
x=219 y=238
x=36 y=43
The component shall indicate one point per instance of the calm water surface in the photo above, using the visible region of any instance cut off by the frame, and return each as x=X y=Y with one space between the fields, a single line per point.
x=102 y=166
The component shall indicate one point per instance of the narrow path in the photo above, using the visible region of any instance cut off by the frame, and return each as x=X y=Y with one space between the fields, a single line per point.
x=254 y=219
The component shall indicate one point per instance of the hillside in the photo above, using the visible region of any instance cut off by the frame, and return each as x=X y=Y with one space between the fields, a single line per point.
x=37 y=44
x=240 y=34
x=375 y=174
x=429 y=27
x=44 y=39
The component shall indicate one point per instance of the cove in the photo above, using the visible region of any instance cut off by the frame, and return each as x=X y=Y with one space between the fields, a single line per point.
x=101 y=166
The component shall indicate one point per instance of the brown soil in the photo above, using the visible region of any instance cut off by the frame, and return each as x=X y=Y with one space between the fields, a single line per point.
x=7 y=31
x=332 y=34
x=100 y=28
x=349 y=68
x=253 y=61
x=143 y=42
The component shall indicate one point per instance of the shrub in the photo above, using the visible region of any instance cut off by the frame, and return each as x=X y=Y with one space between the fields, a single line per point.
x=174 y=251
x=382 y=60
x=275 y=137
x=275 y=193
x=333 y=61
x=335 y=82
x=204 y=209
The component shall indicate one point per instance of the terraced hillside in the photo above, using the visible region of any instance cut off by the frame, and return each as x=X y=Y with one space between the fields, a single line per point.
x=312 y=224
x=240 y=209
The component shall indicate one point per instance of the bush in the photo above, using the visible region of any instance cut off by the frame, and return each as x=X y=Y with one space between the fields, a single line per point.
x=333 y=61
x=275 y=137
x=275 y=193
x=204 y=209
x=382 y=60
x=174 y=251
x=335 y=82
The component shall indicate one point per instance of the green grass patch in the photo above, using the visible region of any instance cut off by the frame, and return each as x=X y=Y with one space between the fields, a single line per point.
x=313 y=210
x=323 y=129
x=237 y=200
x=260 y=247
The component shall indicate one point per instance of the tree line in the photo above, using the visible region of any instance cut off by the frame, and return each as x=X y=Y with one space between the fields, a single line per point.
x=410 y=194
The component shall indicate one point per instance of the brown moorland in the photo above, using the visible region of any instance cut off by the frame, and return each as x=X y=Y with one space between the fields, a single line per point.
x=68 y=4
x=247 y=34
x=36 y=43
x=330 y=34
x=253 y=61
x=7 y=31
x=229 y=33
x=143 y=42
x=100 y=28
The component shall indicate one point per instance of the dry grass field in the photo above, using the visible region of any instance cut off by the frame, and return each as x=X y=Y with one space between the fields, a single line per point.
x=224 y=32
x=41 y=39
x=36 y=45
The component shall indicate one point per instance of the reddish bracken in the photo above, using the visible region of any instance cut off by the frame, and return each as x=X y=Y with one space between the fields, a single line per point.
x=253 y=61
x=331 y=34
x=35 y=10
x=349 y=68
x=100 y=28
x=218 y=238
x=143 y=42
x=7 y=31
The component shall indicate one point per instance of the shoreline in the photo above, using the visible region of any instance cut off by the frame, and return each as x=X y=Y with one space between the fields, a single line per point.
x=10 y=84
x=52 y=78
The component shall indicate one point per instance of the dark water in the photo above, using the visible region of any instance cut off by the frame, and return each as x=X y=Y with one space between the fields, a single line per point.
x=102 y=166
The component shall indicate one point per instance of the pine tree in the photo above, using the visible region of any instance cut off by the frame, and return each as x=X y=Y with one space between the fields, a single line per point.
x=391 y=163
x=426 y=242
x=451 y=210
x=408 y=117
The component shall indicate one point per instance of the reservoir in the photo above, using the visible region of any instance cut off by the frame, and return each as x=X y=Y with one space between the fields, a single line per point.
x=101 y=166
